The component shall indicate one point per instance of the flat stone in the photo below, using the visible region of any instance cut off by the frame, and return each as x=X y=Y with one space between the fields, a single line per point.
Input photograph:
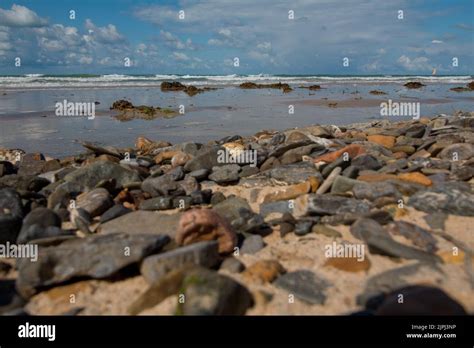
x=205 y=159
x=326 y=231
x=366 y=162
x=419 y=236
x=463 y=151
x=449 y=198
x=352 y=151
x=88 y=177
x=225 y=174
x=288 y=192
x=263 y=271
x=305 y=285
x=314 y=204
x=231 y=208
x=95 y=257
x=203 y=254
x=380 y=242
x=200 y=174
x=142 y=221
x=343 y=184
x=415 y=177
x=375 y=191
x=252 y=244
x=114 y=212
x=348 y=264
x=37 y=224
x=157 y=203
x=293 y=173
x=95 y=202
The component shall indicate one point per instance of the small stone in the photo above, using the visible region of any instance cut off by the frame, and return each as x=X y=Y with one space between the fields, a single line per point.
x=232 y=265
x=305 y=285
x=114 y=212
x=203 y=254
x=157 y=203
x=204 y=224
x=457 y=152
x=375 y=190
x=326 y=231
x=419 y=236
x=225 y=174
x=217 y=197
x=384 y=140
x=95 y=202
x=352 y=150
x=252 y=244
x=248 y=171
x=343 y=184
x=263 y=271
x=314 y=204
x=303 y=227
x=200 y=174
x=288 y=192
x=37 y=224
x=326 y=185
x=366 y=162
x=348 y=264
x=415 y=177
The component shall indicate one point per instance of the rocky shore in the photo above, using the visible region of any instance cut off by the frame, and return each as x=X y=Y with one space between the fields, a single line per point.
x=372 y=218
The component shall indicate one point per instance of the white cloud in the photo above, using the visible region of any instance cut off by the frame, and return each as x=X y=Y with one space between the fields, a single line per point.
x=108 y=34
x=419 y=63
x=174 y=42
x=179 y=56
x=436 y=41
x=20 y=16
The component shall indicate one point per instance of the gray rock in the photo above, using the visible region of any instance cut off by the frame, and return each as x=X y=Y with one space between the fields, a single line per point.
x=88 y=177
x=225 y=174
x=201 y=197
x=40 y=223
x=231 y=208
x=296 y=155
x=189 y=185
x=182 y=202
x=304 y=285
x=343 y=184
x=313 y=204
x=164 y=185
x=95 y=257
x=380 y=242
x=114 y=212
x=205 y=159
x=275 y=207
x=217 y=197
x=248 y=171
x=463 y=151
x=142 y=221
x=157 y=203
x=375 y=190
x=350 y=172
x=419 y=236
x=303 y=227
x=436 y=221
x=340 y=162
x=293 y=173
x=252 y=244
x=232 y=265
x=95 y=202
x=200 y=174
x=366 y=162
x=449 y=198
x=24 y=182
x=203 y=254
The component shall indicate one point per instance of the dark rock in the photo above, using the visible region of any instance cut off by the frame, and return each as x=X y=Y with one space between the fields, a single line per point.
x=217 y=197
x=203 y=254
x=380 y=242
x=285 y=228
x=200 y=174
x=205 y=159
x=231 y=208
x=314 y=204
x=40 y=223
x=114 y=212
x=6 y=168
x=24 y=182
x=88 y=177
x=95 y=257
x=201 y=197
x=182 y=202
x=225 y=174
x=343 y=184
x=164 y=185
x=157 y=203
x=375 y=190
x=413 y=85
x=303 y=227
x=296 y=154
x=351 y=172
x=252 y=244
x=449 y=198
x=275 y=207
x=304 y=285
x=248 y=171
x=419 y=236
x=366 y=162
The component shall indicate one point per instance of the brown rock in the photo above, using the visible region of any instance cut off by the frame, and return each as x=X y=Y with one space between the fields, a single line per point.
x=263 y=271
x=198 y=225
x=180 y=159
x=387 y=141
x=353 y=150
x=376 y=177
x=416 y=178
x=143 y=143
x=348 y=264
x=165 y=155
x=413 y=85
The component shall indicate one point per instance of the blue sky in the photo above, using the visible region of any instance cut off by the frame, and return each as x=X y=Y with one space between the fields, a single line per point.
x=214 y=32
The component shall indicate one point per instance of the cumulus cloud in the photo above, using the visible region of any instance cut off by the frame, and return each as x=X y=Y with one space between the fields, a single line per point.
x=20 y=16
x=419 y=63
x=174 y=42
x=108 y=34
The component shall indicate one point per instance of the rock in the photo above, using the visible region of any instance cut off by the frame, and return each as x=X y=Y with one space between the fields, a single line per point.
x=296 y=155
x=206 y=293
x=449 y=198
x=231 y=208
x=95 y=202
x=122 y=105
x=203 y=254
x=88 y=177
x=232 y=265
x=204 y=224
x=384 y=140
x=217 y=197
x=343 y=184
x=303 y=227
x=24 y=182
x=201 y=197
x=95 y=257
x=348 y=264
x=288 y=192
x=415 y=177
x=252 y=244
x=263 y=271
x=326 y=231
x=165 y=185
x=419 y=300
x=419 y=236
x=457 y=152
x=413 y=85
x=81 y=220
x=200 y=174
x=305 y=285
x=314 y=204
x=157 y=203
x=39 y=223
x=329 y=181
x=366 y=162
x=225 y=174
x=385 y=282
x=352 y=151
x=248 y=170
x=182 y=202
x=114 y=212
x=6 y=168
x=436 y=221
x=376 y=92
x=11 y=215
x=375 y=191
x=205 y=159
x=142 y=143
x=180 y=159
x=142 y=221
x=380 y=242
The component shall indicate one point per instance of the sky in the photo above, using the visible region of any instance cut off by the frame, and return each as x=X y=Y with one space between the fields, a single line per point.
x=267 y=36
